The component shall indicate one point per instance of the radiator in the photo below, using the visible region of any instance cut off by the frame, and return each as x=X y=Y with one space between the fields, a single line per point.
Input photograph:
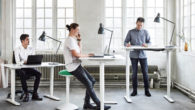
x=114 y=75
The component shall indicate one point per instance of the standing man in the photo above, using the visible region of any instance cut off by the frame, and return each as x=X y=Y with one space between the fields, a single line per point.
x=21 y=54
x=138 y=37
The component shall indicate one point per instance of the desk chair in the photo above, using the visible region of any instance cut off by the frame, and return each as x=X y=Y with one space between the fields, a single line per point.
x=18 y=91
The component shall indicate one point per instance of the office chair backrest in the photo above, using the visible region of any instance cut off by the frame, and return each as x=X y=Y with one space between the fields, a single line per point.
x=13 y=59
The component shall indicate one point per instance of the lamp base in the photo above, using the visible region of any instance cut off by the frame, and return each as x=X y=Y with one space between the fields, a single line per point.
x=170 y=46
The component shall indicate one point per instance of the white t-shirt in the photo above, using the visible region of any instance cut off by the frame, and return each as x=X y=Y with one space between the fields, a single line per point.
x=72 y=63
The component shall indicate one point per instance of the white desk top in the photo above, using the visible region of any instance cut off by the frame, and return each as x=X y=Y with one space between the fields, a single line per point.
x=44 y=64
x=105 y=58
x=154 y=48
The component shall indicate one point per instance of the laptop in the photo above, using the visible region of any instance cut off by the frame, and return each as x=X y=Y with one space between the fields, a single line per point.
x=34 y=59
x=98 y=55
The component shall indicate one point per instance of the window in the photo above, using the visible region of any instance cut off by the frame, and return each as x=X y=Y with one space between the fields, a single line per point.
x=113 y=21
x=35 y=16
x=193 y=25
x=23 y=19
x=44 y=23
x=122 y=18
x=64 y=16
x=134 y=9
x=156 y=30
x=189 y=22
x=186 y=18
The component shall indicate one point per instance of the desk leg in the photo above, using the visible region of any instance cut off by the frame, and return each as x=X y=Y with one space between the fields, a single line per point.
x=3 y=76
x=168 y=69
x=7 y=76
x=51 y=96
x=128 y=99
x=12 y=100
x=102 y=85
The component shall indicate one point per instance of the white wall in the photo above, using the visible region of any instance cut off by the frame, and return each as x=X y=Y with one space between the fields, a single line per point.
x=184 y=70
x=6 y=29
x=0 y=27
x=89 y=15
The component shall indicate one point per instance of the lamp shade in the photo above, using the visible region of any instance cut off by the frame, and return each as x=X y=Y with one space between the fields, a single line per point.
x=101 y=29
x=157 y=18
x=42 y=37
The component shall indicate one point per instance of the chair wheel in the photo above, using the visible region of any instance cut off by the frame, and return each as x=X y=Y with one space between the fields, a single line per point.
x=8 y=96
x=22 y=95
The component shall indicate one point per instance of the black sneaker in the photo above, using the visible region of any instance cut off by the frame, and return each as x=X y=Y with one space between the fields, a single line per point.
x=147 y=93
x=89 y=106
x=36 y=97
x=26 y=97
x=134 y=93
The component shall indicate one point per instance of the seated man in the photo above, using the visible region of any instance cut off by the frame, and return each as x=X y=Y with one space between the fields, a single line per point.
x=21 y=55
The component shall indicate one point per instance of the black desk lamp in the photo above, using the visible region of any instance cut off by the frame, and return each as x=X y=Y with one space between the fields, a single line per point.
x=157 y=20
x=101 y=31
x=42 y=38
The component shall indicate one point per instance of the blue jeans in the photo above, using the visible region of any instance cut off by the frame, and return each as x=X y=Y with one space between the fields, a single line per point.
x=144 y=68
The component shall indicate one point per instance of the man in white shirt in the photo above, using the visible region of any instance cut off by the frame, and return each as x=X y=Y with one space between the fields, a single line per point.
x=21 y=54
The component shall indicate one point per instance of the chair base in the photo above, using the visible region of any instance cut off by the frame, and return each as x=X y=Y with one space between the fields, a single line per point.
x=68 y=106
x=20 y=92
x=13 y=102
x=128 y=99
x=169 y=99
x=52 y=97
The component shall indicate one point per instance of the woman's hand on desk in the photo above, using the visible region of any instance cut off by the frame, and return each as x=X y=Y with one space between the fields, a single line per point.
x=86 y=55
x=91 y=54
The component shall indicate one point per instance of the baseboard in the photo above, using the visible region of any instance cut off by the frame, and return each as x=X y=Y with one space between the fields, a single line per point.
x=76 y=83
x=185 y=90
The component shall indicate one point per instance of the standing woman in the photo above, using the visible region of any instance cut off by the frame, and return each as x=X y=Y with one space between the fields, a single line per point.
x=72 y=53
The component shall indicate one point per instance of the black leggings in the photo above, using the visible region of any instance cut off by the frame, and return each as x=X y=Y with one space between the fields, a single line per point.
x=84 y=77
